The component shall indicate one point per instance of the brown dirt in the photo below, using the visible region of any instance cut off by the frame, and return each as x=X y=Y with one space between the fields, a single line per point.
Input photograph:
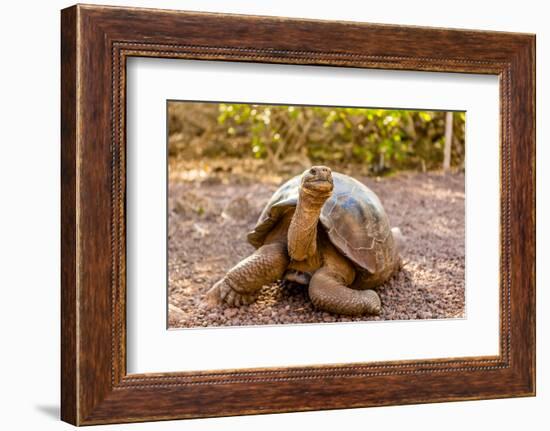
x=208 y=222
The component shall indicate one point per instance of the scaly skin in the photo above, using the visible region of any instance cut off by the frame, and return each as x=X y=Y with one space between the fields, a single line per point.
x=329 y=291
x=242 y=283
x=315 y=189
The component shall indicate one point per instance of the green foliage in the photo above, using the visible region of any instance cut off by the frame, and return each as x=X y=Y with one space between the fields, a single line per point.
x=384 y=139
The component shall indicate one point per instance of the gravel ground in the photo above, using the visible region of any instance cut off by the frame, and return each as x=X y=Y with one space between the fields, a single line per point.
x=207 y=227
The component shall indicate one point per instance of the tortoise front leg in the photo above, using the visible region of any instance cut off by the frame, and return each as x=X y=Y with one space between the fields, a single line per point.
x=242 y=283
x=328 y=292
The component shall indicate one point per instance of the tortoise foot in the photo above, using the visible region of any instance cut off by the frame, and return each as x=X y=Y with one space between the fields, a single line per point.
x=372 y=302
x=222 y=292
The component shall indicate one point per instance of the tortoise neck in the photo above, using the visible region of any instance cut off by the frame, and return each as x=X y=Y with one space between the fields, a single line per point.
x=302 y=232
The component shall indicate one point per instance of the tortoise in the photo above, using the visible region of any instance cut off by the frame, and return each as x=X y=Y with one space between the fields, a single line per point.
x=324 y=230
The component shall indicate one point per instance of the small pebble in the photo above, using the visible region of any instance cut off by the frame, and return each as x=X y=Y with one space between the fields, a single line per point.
x=230 y=312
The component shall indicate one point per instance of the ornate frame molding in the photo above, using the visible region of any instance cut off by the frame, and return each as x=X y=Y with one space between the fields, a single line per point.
x=96 y=41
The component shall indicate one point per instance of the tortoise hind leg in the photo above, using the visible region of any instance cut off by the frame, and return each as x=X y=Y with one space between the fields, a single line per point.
x=328 y=292
x=242 y=282
x=329 y=287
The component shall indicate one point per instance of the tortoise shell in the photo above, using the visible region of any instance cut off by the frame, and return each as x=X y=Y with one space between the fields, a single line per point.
x=353 y=218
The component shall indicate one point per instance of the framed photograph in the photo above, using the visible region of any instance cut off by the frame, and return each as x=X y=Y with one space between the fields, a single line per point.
x=259 y=216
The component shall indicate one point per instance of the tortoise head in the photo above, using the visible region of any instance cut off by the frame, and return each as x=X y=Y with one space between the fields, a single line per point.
x=317 y=181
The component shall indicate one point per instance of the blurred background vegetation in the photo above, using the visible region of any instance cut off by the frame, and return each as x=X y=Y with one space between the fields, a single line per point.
x=287 y=139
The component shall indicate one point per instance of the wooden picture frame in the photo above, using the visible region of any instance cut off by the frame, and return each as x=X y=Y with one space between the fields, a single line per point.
x=95 y=43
